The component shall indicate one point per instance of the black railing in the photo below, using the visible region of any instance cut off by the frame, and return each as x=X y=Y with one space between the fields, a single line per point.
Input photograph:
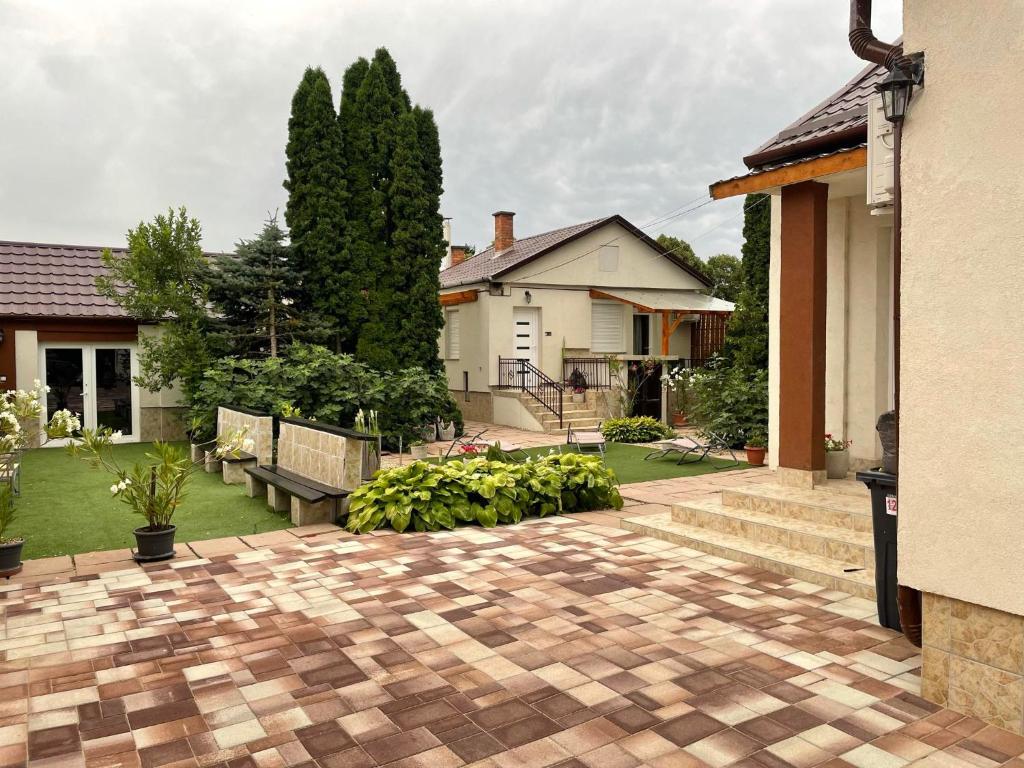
x=586 y=373
x=521 y=374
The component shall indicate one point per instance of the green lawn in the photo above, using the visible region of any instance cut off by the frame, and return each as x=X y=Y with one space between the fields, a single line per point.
x=628 y=463
x=66 y=508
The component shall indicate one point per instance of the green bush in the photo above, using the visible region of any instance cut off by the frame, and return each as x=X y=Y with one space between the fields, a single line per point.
x=327 y=387
x=430 y=497
x=731 y=402
x=635 y=429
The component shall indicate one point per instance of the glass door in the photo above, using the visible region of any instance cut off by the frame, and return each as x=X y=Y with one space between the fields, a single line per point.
x=94 y=381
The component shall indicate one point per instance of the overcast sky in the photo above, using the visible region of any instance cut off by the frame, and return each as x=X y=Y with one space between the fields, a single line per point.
x=559 y=110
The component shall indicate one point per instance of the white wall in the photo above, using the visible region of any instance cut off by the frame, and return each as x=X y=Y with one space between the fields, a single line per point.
x=962 y=421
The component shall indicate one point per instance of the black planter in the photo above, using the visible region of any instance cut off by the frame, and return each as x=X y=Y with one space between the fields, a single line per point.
x=154 y=545
x=10 y=558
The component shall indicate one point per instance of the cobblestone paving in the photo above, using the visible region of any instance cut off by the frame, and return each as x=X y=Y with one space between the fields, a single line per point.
x=549 y=643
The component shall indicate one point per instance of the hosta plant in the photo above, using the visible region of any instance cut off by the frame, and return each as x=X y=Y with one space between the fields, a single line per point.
x=635 y=429
x=426 y=496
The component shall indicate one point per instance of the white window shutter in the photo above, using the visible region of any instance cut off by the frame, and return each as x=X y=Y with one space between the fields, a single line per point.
x=452 y=334
x=606 y=327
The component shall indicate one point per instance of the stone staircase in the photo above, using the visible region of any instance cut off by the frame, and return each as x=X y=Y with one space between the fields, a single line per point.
x=822 y=535
x=580 y=415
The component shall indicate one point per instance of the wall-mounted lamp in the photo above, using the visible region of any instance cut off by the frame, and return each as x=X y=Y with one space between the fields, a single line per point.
x=898 y=87
x=528 y=296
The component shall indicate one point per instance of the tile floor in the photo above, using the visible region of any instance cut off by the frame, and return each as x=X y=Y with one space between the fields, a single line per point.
x=550 y=643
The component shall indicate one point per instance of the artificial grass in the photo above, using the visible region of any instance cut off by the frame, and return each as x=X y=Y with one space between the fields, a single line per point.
x=66 y=508
x=629 y=466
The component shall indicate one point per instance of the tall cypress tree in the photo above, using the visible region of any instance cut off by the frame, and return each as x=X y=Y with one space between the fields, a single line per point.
x=315 y=212
x=746 y=343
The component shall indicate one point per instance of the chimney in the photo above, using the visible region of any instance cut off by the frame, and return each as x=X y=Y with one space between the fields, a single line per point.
x=458 y=254
x=503 y=238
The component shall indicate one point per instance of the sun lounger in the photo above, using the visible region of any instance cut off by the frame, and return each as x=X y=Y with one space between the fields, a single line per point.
x=690 y=446
x=586 y=441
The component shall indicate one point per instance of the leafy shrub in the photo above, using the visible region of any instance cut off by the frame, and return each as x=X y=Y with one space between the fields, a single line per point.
x=731 y=402
x=429 y=497
x=328 y=387
x=635 y=429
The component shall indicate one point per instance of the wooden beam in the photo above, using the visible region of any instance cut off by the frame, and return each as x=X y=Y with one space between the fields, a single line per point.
x=459 y=297
x=666 y=331
x=791 y=174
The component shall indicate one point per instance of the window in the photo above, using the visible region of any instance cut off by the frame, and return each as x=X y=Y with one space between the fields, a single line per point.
x=452 y=336
x=608 y=258
x=605 y=327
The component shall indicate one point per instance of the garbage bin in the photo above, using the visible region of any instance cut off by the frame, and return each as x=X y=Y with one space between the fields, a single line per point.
x=883 y=521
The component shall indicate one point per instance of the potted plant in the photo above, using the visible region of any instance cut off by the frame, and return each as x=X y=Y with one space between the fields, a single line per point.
x=756 y=447
x=676 y=381
x=10 y=547
x=418 y=449
x=153 y=489
x=837 y=457
x=579 y=394
x=368 y=424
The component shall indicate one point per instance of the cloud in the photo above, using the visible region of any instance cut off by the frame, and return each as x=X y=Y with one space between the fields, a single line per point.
x=560 y=110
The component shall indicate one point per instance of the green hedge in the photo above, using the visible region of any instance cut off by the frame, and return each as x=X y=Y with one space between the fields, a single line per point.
x=327 y=387
x=428 y=497
x=635 y=429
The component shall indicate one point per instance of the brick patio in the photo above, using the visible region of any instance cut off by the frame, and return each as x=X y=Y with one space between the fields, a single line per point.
x=550 y=643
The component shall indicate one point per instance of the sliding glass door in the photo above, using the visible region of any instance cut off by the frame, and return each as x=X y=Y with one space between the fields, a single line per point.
x=94 y=381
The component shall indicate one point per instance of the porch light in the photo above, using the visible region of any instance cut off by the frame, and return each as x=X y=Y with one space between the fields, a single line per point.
x=896 y=90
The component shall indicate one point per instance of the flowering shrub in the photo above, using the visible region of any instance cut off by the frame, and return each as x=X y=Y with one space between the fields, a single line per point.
x=677 y=381
x=730 y=402
x=635 y=429
x=431 y=497
x=153 y=490
x=834 y=444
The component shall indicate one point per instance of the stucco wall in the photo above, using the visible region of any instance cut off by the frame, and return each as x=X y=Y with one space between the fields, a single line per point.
x=962 y=422
x=473 y=341
x=774 y=320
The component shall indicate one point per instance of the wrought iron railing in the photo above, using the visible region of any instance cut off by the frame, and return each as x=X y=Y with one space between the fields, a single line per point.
x=586 y=373
x=521 y=374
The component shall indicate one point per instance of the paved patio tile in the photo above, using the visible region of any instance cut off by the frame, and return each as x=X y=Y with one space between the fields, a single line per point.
x=229 y=545
x=556 y=642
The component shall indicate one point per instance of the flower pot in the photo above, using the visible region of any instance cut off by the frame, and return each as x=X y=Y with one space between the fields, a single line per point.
x=679 y=419
x=154 y=545
x=755 y=455
x=837 y=464
x=429 y=434
x=10 y=557
x=418 y=451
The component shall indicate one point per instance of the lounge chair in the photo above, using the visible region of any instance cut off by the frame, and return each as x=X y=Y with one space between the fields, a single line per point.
x=10 y=471
x=476 y=444
x=690 y=446
x=586 y=441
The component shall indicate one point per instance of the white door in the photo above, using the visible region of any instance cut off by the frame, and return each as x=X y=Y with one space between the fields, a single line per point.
x=96 y=382
x=524 y=341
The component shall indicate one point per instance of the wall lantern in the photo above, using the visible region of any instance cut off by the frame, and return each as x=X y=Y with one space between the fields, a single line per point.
x=528 y=296
x=897 y=88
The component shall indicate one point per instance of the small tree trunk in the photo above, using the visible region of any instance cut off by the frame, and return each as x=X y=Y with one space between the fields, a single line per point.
x=272 y=323
x=151 y=501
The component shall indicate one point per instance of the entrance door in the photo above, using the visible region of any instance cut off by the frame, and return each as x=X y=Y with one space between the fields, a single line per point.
x=94 y=381
x=524 y=342
x=642 y=335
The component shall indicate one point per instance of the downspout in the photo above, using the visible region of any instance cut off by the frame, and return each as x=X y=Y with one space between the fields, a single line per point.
x=870 y=48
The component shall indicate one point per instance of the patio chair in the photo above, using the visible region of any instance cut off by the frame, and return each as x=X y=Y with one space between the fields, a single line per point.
x=691 y=446
x=10 y=471
x=476 y=444
x=586 y=441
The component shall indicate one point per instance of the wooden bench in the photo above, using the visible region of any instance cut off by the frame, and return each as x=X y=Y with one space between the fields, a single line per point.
x=284 y=488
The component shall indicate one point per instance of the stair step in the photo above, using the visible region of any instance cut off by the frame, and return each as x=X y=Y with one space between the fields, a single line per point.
x=835 y=509
x=815 y=569
x=844 y=544
x=848 y=486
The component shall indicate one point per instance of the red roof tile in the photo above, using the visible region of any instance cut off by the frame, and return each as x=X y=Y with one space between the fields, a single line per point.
x=43 y=280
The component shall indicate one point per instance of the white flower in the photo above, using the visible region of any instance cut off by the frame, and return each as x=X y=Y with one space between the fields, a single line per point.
x=115 y=488
x=47 y=389
x=36 y=383
x=127 y=481
x=248 y=444
x=122 y=485
x=117 y=435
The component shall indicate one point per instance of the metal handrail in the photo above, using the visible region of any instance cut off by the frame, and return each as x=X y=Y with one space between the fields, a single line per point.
x=521 y=374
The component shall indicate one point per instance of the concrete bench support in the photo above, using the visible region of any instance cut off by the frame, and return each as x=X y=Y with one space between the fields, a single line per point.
x=233 y=472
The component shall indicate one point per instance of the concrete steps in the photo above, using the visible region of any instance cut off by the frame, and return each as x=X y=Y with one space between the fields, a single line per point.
x=822 y=536
x=577 y=414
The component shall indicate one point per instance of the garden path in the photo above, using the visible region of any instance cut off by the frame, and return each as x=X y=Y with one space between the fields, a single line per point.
x=554 y=642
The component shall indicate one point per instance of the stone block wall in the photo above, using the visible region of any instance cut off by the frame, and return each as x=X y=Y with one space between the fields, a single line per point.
x=974 y=660
x=261 y=430
x=320 y=454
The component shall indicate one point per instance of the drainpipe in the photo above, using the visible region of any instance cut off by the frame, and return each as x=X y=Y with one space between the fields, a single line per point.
x=864 y=42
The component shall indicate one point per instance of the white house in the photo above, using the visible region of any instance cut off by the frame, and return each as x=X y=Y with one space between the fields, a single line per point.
x=529 y=320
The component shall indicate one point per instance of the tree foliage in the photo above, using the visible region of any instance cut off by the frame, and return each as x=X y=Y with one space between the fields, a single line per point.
x=726 y=273
x=159 y=279
x=746 y=343
x=681 y=250
x=316 y=209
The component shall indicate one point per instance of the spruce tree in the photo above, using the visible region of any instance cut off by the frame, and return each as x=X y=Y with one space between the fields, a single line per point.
x=254 y=291
x=315 y=212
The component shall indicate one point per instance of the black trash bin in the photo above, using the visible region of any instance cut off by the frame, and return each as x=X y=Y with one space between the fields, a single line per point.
x=883 y=520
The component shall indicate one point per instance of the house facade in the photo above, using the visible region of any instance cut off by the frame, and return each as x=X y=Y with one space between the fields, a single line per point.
x=576 y=307
x=861 y=323
x=57 y=329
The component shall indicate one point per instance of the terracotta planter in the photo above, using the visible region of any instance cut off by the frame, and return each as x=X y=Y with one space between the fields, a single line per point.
x=154 y=545
x=837 y=464
x=755 y=455
x=679 y=419
x=10 y=558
